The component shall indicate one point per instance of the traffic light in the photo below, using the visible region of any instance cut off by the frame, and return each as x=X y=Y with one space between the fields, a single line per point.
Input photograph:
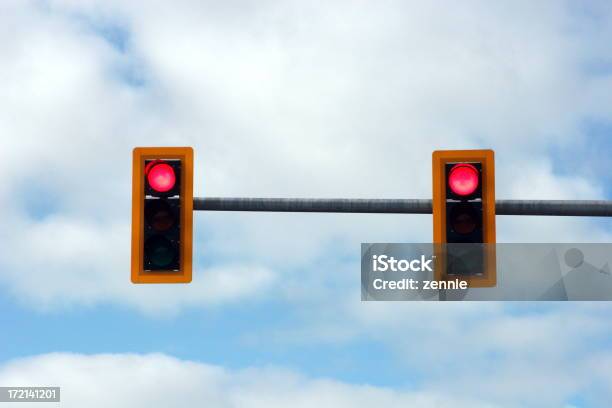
x=162 y=214
x=464 y=216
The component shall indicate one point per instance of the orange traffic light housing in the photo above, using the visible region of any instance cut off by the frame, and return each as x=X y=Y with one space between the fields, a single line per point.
x=162 y=215
x=464 y=216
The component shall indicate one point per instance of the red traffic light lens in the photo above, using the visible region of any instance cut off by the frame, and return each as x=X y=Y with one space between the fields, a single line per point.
x=463 y=179
x=161 y=177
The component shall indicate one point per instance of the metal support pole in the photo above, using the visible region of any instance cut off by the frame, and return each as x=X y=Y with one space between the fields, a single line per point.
x=576 y=208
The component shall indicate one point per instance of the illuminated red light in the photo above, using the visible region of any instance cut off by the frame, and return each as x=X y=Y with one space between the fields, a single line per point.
x=161 y=177
x=463 y=179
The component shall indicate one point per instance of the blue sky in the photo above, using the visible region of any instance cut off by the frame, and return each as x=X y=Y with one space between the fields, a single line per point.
x=288 y=99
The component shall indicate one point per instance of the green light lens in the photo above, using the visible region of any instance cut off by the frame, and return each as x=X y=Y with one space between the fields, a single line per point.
x=161 y=252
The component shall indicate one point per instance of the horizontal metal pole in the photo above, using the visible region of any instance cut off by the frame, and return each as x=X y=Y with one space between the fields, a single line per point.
x=586 y=208
x=574 y=208
x=339 y=205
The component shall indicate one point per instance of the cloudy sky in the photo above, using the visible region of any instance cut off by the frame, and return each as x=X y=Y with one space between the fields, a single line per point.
x=291 y=99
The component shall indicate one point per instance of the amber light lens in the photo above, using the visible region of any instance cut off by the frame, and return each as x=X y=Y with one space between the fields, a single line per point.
x=159 y=215
x=464 y=219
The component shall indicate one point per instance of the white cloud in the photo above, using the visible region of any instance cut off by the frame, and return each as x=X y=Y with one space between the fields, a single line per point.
x=523 y=355
x=132 y=380
x=345 y=99
x=278 y=99
x=126 y=380
x=67 y=262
